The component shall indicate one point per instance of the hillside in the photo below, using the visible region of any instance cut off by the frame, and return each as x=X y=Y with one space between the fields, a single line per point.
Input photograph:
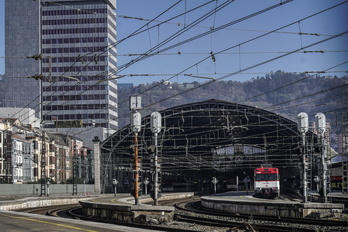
x=284 y=93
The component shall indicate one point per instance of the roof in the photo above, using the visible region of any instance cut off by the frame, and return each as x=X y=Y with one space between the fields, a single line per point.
x=213 y=133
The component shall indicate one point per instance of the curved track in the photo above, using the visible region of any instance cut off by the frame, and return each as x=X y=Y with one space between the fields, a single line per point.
x=191 y=216
x=185 y=210
x=52 y=210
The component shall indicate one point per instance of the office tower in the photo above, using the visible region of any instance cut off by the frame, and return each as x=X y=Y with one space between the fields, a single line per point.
x=77 y=52
x=21 y=39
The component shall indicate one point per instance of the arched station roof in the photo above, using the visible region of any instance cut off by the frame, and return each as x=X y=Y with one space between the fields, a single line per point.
x=212 y=134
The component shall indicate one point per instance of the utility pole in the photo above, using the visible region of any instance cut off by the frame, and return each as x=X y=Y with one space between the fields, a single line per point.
x=320 y=120
x=136 y=169
x=74 y=168
x=302 y=119
x=43 y=164
x=135 y=105
x=96 y=146
x=156 y=125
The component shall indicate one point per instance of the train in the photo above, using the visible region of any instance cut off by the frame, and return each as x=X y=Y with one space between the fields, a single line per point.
x=266 y=182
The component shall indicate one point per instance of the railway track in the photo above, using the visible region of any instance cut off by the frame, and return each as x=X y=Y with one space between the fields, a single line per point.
x=191 y=216
x=259 y=223
x=56 y=210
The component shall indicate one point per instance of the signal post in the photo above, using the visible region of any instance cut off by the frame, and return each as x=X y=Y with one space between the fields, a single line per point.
x=135 y=105
x=156 y=124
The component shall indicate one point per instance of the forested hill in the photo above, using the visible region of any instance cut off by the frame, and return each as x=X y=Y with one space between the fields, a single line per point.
x=285 y=93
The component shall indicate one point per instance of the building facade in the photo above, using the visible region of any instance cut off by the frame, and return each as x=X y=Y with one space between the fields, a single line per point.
x=72 y=48
x=28 y=155
x=25 y=115
x=22 y=36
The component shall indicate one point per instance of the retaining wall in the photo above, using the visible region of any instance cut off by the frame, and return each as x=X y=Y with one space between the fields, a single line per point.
x=296 y=210
x=35 y=189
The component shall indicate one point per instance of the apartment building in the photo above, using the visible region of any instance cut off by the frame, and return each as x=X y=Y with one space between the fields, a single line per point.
x=28 y=154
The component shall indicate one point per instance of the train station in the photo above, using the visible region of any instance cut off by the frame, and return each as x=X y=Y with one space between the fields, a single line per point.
x=211 y=141
x=234 y=159
x=217 y=147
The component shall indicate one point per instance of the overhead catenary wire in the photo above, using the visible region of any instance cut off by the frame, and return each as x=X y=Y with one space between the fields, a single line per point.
x=314 y=101
x=149 y=54
x=252 y=39
x=283 y=86
x=309 y=95
x=135 y=32
x=173 y=36
x=263 y=62
x=112 y=45
x=166 y=11
x=253 y=66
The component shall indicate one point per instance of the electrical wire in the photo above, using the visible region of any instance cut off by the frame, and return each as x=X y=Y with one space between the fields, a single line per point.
x=245 y=42
x=106 y=49
x=149 y=54
x=250 y=67
x=132 y=33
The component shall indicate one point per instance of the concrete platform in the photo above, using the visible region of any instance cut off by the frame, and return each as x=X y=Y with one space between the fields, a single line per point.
x=23 y=222
x=124 y=210
x=128 y=213
x=241 y=203
x=31 y=202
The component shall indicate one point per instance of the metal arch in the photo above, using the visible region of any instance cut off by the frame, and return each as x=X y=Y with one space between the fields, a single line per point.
x=182 y=126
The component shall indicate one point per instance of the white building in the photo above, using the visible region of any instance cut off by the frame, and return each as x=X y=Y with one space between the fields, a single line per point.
x=25 y=115
x=17 y=159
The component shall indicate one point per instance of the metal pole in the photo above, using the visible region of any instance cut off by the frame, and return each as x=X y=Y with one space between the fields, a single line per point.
x=321 y=128
x=323 y=157
x=75 y=170
x=146 y=182
x=156 y=173
x=48 y=190
x=115 y=182
x=43 y=164
x=136 y=170
x=304 y=181
x=214 y=182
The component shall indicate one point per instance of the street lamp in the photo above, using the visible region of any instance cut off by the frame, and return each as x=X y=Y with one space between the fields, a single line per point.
x=115 y=182
x=146 y=182
x=48 y=187
x=214 y=181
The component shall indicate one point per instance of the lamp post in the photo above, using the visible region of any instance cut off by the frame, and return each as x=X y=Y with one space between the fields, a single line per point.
x=146 y=182
x=48 y=187
x=214 y=181
x=115 y=182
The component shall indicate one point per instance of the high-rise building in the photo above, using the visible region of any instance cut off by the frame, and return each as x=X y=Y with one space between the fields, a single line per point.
x=72 y=45
x=22 y=36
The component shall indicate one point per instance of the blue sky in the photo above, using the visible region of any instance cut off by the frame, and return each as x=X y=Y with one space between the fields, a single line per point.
x=244 y=55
